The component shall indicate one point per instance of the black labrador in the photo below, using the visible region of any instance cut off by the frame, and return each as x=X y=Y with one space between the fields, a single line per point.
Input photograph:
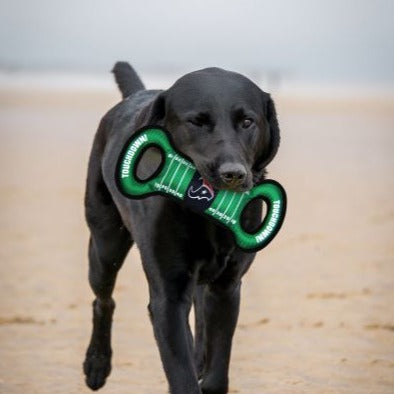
x=229 y=128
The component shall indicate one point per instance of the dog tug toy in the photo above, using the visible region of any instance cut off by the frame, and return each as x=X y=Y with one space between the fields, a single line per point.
x=177 y=177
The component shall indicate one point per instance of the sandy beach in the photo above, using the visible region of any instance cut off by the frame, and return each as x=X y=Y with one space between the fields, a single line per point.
x=317 y=310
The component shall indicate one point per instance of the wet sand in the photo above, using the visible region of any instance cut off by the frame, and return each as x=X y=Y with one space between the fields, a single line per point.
x=317 y=310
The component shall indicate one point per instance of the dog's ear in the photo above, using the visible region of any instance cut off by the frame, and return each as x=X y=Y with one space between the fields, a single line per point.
x=154 y=113
x=272 y=137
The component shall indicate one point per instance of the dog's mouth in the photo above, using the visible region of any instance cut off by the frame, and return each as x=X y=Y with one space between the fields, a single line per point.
x=216 y=183
x=210 y=174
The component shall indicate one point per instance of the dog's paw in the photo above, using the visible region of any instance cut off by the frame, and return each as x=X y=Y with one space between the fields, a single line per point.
x=97 y=366
x=210 y=386
x=214 y=391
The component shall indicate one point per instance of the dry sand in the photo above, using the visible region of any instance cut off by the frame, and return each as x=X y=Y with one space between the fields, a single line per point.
x=317 y=311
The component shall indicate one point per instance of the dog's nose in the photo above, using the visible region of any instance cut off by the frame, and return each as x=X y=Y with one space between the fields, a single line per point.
x=232 y=173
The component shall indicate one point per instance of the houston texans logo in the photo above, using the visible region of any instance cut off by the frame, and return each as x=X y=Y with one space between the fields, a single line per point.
x=203 y=192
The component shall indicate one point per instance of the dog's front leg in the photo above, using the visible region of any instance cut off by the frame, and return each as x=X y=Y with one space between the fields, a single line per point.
x=169 y=307
x=221 y=308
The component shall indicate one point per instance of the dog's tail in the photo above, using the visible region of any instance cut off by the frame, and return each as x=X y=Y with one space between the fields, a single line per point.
x=127 y=79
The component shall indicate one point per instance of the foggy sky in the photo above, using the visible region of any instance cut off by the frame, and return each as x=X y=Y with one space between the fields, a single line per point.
x=322 y=40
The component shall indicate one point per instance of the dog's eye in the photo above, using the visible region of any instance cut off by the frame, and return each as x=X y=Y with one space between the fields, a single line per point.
x=246 y=123
x=199 y=121
x=196 y=122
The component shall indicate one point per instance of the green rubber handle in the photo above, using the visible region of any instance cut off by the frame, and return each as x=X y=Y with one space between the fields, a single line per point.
x=177 y=177
x=271 y=193
x=168 y=179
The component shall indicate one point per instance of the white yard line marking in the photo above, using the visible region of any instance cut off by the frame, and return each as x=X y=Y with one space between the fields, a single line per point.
x=168 y=169
x=173 y=175
x=183 y=176
x=236 y=208
x=228 y=206
x=221 y=201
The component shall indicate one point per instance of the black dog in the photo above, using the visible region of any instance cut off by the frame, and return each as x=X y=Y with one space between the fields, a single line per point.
x=228 y=127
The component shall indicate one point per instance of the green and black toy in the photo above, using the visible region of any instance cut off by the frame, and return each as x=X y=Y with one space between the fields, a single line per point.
x=177 y=177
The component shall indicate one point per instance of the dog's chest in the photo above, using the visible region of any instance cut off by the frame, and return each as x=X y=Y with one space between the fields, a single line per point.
x=210 y=248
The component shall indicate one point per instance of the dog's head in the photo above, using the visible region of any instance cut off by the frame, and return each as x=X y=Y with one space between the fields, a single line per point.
x=223 y=122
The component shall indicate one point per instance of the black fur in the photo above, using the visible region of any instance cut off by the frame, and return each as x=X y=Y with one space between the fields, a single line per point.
x=221 y=120
x=127 y=79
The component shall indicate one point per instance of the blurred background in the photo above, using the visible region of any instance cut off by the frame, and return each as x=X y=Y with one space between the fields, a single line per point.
x=316 y=314
x=319 y=44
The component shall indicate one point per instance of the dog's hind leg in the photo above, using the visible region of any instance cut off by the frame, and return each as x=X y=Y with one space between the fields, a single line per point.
x=109 y=244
